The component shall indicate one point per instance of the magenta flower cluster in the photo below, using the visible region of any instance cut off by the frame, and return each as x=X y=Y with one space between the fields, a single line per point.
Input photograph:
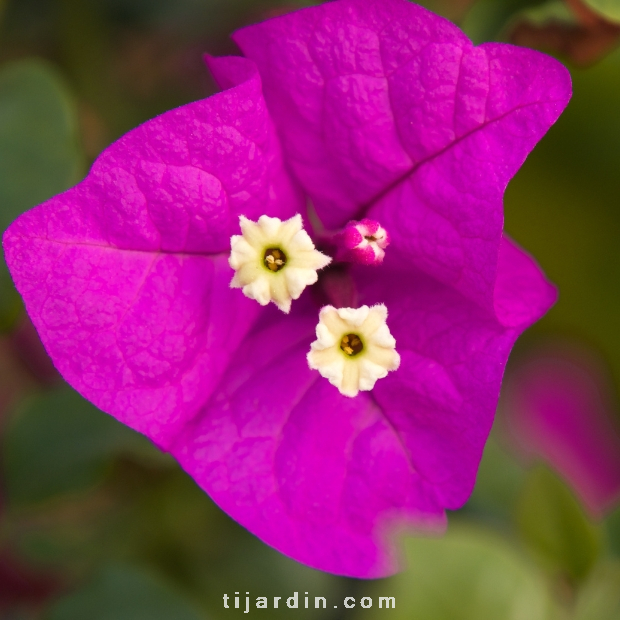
x=373 y=109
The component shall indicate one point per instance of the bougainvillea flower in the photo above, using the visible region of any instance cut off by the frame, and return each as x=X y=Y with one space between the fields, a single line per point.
x=274 y=260
x=371 y=109
x=362 y=242
x=559 y=407
x=353 y=347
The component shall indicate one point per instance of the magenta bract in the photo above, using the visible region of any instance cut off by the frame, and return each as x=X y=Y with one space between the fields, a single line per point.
x=560 y=409
x=380 y=109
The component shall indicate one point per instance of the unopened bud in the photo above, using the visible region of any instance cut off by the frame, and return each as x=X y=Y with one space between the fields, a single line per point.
x=362 y=242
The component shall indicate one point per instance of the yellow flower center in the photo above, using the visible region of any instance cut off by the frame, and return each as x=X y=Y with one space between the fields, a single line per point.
x=274 y=259
x=351 y=344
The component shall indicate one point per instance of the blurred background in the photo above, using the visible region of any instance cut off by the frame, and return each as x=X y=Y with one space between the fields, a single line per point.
x=96 y=524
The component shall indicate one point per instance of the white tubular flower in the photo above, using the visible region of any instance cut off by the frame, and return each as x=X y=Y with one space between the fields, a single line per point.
x=353 y=347
x=274 y=260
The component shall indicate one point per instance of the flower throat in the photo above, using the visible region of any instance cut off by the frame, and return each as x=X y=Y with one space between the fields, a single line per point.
x=274 y=259
x=351 y=344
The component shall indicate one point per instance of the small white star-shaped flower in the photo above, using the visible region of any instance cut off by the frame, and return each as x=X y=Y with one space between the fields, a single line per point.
x=274 y=260
x=353 y=348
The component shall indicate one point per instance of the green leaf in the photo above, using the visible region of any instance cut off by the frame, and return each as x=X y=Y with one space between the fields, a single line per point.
x=39 y=152
x=467 y=575
x=550 y=11
x=554 y=525
x=498 y=484
x=599 y=599
x=124 y=593
x=607 y=8
x=612 y=524
x=487 y=18
x=60 y=443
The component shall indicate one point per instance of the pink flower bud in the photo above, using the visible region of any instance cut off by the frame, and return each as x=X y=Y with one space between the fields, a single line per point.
x=362 y=242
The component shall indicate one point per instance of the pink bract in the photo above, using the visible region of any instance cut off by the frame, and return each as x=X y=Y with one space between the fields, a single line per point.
x=380 y=109
x=560 y=408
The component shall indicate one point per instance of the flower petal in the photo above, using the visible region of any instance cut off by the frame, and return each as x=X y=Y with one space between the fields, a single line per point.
x=442 y=399
x=388 y=111
x=118 y=274
x=363 y=92
x=325 y=478
x=447 y=217
x=315 y=474
x=522 y=294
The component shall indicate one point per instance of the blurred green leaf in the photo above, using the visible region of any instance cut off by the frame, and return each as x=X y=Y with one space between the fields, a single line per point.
x=613 y=530
x=124 y=593
x=608 y=8
x=498 y=483
x=554 y=525
x=61 y=443
x=552 y=10
x=467 y=575
x=487 y=18
x=39 y=152
x=599 y=599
